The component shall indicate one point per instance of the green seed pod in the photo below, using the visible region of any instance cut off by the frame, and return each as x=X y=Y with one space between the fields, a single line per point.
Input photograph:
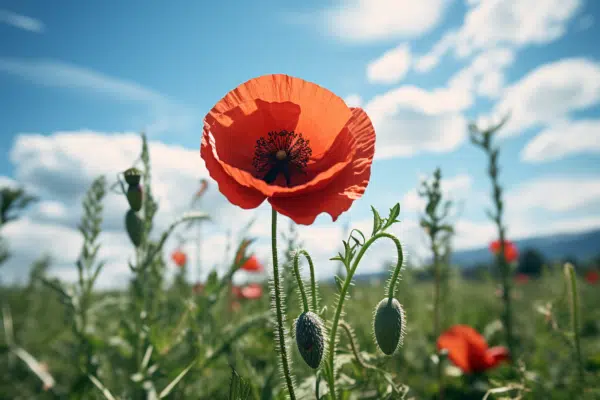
x=134 y=226
x=309 y=338
x=134 y=197
x=389 y=323
x=133 y=176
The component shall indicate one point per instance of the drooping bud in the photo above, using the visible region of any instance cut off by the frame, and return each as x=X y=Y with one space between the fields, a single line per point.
x=134 y=197
x=310 y=339
x=388 y=324
x=134 y=226
x=133 y=176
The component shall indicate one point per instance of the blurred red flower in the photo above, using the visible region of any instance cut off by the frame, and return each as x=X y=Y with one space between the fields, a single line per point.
x=252 y=265
x=521 y=278
x=511 y=253
x=179 y=258
x=469 y=351
x=252 y=291
x=592 y=276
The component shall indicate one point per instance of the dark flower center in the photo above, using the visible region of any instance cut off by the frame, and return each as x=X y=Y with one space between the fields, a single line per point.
x=281 y=152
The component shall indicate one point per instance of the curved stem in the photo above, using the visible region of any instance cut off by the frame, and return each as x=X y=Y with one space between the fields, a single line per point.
x=313 y=286
x=344 y=290
x=279 y=309
x=299 y=280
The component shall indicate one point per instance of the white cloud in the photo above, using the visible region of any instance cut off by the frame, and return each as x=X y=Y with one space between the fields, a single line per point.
x=391 y=67
x=554 y=194
x=485 y=75
x=455 y=188
x=515 y=23
x=21 y=21
x=549 y=93
x=353 y=100
x=563 y=140
x=165 y=112
x=5 y=181
x=372 y=20
x=409 y=119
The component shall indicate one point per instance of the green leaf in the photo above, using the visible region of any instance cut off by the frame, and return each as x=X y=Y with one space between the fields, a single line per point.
x=376 y=221
x=238 y=388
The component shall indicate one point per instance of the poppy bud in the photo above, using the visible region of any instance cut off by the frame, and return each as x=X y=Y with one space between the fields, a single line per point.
x=134 y=197
x=133 y=176
x=388 y=325
x=134 y=226
x=309 y=338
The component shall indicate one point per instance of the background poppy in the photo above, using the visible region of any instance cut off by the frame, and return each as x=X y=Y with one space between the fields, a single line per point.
x=469 y=351
x=179 y=258
x=511 y=253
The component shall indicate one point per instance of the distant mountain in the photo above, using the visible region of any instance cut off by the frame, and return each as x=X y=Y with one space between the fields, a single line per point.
x=582 y=246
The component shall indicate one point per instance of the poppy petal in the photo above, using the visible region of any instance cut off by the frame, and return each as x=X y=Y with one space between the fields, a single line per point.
x=348 y=185
x=466 y=347
x=242 y=196
x=322 y=112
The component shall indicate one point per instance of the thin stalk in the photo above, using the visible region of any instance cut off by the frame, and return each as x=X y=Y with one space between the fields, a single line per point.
x=278 y=309
x=344 y=291
x=575 y=319
x=299 y=279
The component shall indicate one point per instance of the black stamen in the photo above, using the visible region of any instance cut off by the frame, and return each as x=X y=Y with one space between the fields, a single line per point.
x=296 y=153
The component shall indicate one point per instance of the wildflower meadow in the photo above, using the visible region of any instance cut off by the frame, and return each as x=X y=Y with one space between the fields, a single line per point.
x=264 y=321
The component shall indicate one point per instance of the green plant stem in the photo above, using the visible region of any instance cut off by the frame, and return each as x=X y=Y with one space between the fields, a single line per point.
x=575 y=319
x=278 y=309
x=313 y=286
x=344 y=291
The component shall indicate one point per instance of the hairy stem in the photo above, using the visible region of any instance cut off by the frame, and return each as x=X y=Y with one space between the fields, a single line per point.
x=299 y=278
x=278 y=309
x=344 y=291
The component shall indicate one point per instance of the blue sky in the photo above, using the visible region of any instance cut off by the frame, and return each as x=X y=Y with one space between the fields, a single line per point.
x=77 y=81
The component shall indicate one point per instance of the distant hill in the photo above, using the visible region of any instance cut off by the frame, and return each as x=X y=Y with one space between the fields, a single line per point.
x=583 y=246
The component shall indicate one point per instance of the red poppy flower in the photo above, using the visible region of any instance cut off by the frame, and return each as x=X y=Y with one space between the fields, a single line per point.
x=592 y=276
x=521 y=278
x=179 y=258
x=252 y=292
x=252 y=265
x=469 y=351
x=511 y=253
x=291 y=142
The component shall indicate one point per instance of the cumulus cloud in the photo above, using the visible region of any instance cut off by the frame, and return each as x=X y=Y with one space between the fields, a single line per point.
x=454 y=188
x=563 y=140
x=353 y=100
x=514 y=23
x=409 y=120
x=485 y=74
x=391 y=67
x=368 y=20
x=21 y=21
x=549 y=94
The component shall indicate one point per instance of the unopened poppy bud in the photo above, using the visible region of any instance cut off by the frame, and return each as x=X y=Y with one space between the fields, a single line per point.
x=309 y=338
x=133 y=176
x=388 y=325
x=134 y=197
x=134 y=226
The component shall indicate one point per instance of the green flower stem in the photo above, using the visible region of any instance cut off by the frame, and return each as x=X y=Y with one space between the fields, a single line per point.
x=575 y=317
x=313 y=287
x=278 y=309
x=344 y=291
